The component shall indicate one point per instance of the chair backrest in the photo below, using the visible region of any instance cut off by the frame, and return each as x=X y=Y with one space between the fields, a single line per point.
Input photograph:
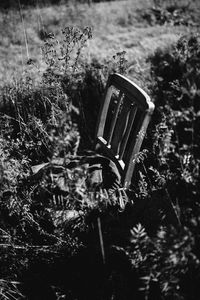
x=122 y=124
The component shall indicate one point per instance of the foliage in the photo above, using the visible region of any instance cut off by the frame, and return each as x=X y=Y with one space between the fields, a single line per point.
x=57 y=230
x=162 y=260
x=173 y=162
x=177 y=140
x=37 y=126
x=170 y=12
x=9 y=290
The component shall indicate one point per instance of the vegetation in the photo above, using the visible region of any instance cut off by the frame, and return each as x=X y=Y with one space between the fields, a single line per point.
x=62 y=235
x=171 y=12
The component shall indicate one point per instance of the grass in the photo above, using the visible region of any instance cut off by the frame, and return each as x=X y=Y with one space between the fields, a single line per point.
x=116 y=26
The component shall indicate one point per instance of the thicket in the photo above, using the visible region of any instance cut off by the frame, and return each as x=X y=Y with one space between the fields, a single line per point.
x=63 y=239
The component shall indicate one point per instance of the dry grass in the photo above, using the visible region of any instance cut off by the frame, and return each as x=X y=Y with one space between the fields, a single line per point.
x=116 y=26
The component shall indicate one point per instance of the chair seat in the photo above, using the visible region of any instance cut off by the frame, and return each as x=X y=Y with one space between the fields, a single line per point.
x=101 y=173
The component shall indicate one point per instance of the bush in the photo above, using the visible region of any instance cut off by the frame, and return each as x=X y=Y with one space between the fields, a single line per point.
x=170 y=12
x=175 y=143
x=177 y=139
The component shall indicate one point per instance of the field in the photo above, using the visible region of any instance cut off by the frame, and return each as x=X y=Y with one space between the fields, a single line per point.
x=62 y=236
x=116 y=26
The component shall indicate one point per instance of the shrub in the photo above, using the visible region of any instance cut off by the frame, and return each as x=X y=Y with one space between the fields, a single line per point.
x=172 y=165
x=177 y=140
x=170 y=12
x=162 y=261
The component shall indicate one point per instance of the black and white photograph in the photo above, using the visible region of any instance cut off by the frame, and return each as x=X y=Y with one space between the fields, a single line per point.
x=99 y=150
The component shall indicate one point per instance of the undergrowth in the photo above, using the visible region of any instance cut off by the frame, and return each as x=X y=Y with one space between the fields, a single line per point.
x=63 y=238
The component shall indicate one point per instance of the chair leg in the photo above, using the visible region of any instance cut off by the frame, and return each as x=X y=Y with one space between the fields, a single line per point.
x=101 y=239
